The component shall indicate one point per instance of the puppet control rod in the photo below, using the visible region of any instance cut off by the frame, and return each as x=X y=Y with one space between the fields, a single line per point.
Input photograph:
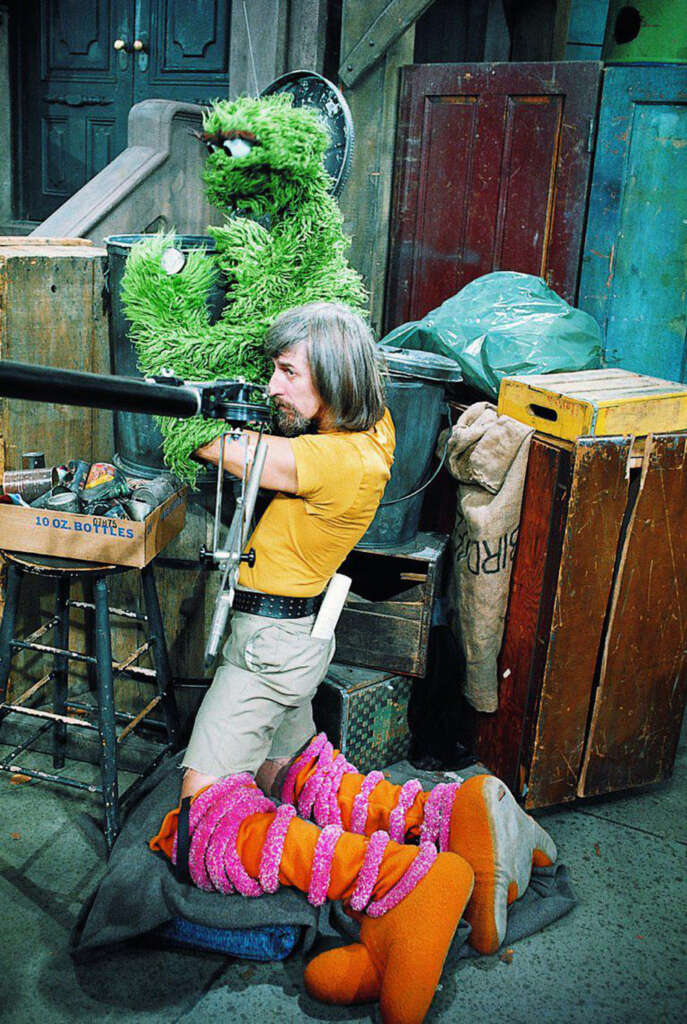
x=231 y=400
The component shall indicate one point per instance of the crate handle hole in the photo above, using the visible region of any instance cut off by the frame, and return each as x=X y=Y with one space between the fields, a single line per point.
x=543 y=413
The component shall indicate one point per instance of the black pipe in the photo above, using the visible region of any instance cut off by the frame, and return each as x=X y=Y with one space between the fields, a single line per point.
x=56 y=386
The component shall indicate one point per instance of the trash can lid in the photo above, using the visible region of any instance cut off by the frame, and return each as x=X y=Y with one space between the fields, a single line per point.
x=116 y=243
x=421 y=365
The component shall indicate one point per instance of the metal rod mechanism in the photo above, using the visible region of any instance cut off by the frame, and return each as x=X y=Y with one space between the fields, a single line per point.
x=95 y=390
x=236 y=542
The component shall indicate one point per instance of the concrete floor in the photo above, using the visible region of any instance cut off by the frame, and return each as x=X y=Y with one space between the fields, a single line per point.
x=618 y=957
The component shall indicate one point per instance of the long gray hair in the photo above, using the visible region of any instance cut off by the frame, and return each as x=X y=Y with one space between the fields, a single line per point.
x=346 y=365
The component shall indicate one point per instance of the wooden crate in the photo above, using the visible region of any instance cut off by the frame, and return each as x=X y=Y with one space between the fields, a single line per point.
x=385 y=622
x=595 y=402
x=52 y=313
x=592 y=671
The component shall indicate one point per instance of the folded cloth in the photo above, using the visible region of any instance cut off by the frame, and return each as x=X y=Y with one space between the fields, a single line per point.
x=139 y=892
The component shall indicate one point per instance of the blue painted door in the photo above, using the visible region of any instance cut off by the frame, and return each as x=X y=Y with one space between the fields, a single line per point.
x=634 y=265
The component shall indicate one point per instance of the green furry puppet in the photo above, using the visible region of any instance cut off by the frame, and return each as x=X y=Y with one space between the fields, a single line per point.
x=282 y=245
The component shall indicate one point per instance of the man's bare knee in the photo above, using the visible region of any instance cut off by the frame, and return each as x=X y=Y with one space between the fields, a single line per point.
x=194 y=781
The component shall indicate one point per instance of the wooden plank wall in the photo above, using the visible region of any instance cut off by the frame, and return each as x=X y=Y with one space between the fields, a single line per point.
x=373 y=99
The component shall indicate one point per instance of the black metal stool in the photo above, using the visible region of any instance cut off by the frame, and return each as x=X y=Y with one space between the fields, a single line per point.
x=65 y=572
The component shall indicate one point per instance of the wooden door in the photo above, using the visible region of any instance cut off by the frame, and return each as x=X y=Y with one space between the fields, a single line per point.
x=491 y=173
x=635 y=250
x=75 y=94
x=185 y=53
x=74 y=109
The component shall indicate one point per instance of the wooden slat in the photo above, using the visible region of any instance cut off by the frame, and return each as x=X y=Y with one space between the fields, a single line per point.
x=381 y=33
x=501 y=739
x=27 y=242
x=597 y=504
x=642 y=689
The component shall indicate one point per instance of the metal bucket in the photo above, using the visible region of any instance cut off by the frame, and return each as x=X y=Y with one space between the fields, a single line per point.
x=415 y=397
x=138 y=442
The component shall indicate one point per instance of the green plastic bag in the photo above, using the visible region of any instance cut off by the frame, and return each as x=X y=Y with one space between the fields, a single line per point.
x=503 y=324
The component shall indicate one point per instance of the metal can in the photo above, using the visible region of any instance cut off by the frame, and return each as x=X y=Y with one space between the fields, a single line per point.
x=63 y=501
x=154 y=492
x=137 y=510
x=33 y=460
x=28 y=483
x=80 y=473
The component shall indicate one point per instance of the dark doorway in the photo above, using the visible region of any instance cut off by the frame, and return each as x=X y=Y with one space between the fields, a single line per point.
x=80 y=66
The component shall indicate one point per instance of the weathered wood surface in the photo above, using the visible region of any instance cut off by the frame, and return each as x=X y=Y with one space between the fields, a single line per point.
x=257 y=45
x=51 y=313
x=387 y=617
x=642 y=689
x=635 y=248
x=382 y=30
x=366 y=199
x=596 y=507
x=502 y=740
x=489 y=175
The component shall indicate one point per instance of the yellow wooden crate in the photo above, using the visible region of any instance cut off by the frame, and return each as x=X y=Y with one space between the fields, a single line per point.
x=595 y=402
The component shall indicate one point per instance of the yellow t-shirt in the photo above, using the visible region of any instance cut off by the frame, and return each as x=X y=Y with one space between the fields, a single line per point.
x=301 y=540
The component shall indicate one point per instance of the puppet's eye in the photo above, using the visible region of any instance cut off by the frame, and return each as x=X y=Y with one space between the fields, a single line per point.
x=237 y=147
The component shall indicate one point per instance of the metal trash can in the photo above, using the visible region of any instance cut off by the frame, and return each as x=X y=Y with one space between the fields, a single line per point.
x=416 y=401
x=137 y=438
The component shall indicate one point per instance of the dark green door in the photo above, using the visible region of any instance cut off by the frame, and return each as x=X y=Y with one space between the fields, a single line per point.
x=81 y=66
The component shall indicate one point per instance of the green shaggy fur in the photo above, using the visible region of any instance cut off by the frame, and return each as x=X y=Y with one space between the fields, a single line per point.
x=282 y=245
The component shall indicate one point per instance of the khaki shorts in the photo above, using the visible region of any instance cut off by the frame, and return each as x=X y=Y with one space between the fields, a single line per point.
x=260 y=702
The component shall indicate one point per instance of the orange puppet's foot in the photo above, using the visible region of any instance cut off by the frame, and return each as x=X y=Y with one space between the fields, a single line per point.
x=401 y=955
x=502 y=844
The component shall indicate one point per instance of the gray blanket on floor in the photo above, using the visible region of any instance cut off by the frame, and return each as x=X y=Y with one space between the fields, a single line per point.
x=139 y=892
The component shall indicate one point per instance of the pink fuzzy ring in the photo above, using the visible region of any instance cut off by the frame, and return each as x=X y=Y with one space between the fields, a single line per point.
x=274 y=847
x=361 y=804
x=221 y=855
x=322 y=864
x=309 y=754
x=426 y=856
x=326 y=810
x=436 y=827
x=215 y=794
x=362 y=894
x=397 y=818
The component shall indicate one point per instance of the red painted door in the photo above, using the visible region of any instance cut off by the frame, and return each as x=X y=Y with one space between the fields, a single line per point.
x=491 y=173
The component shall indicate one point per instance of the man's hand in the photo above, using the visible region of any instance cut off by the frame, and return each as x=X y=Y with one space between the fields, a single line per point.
x=279 y=473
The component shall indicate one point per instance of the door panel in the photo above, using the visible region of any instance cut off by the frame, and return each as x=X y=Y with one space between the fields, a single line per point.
x=491 y=173
x=635 y=252
x=76 y=93
x=187 y=50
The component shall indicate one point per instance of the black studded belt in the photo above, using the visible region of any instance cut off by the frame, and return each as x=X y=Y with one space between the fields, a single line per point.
x=274 y=605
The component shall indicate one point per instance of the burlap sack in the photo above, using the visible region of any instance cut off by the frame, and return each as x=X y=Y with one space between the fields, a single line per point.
x=487 y=454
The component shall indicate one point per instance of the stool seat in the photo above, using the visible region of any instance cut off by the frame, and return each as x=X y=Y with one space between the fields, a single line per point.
x=49 y=565
x=105 y=717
